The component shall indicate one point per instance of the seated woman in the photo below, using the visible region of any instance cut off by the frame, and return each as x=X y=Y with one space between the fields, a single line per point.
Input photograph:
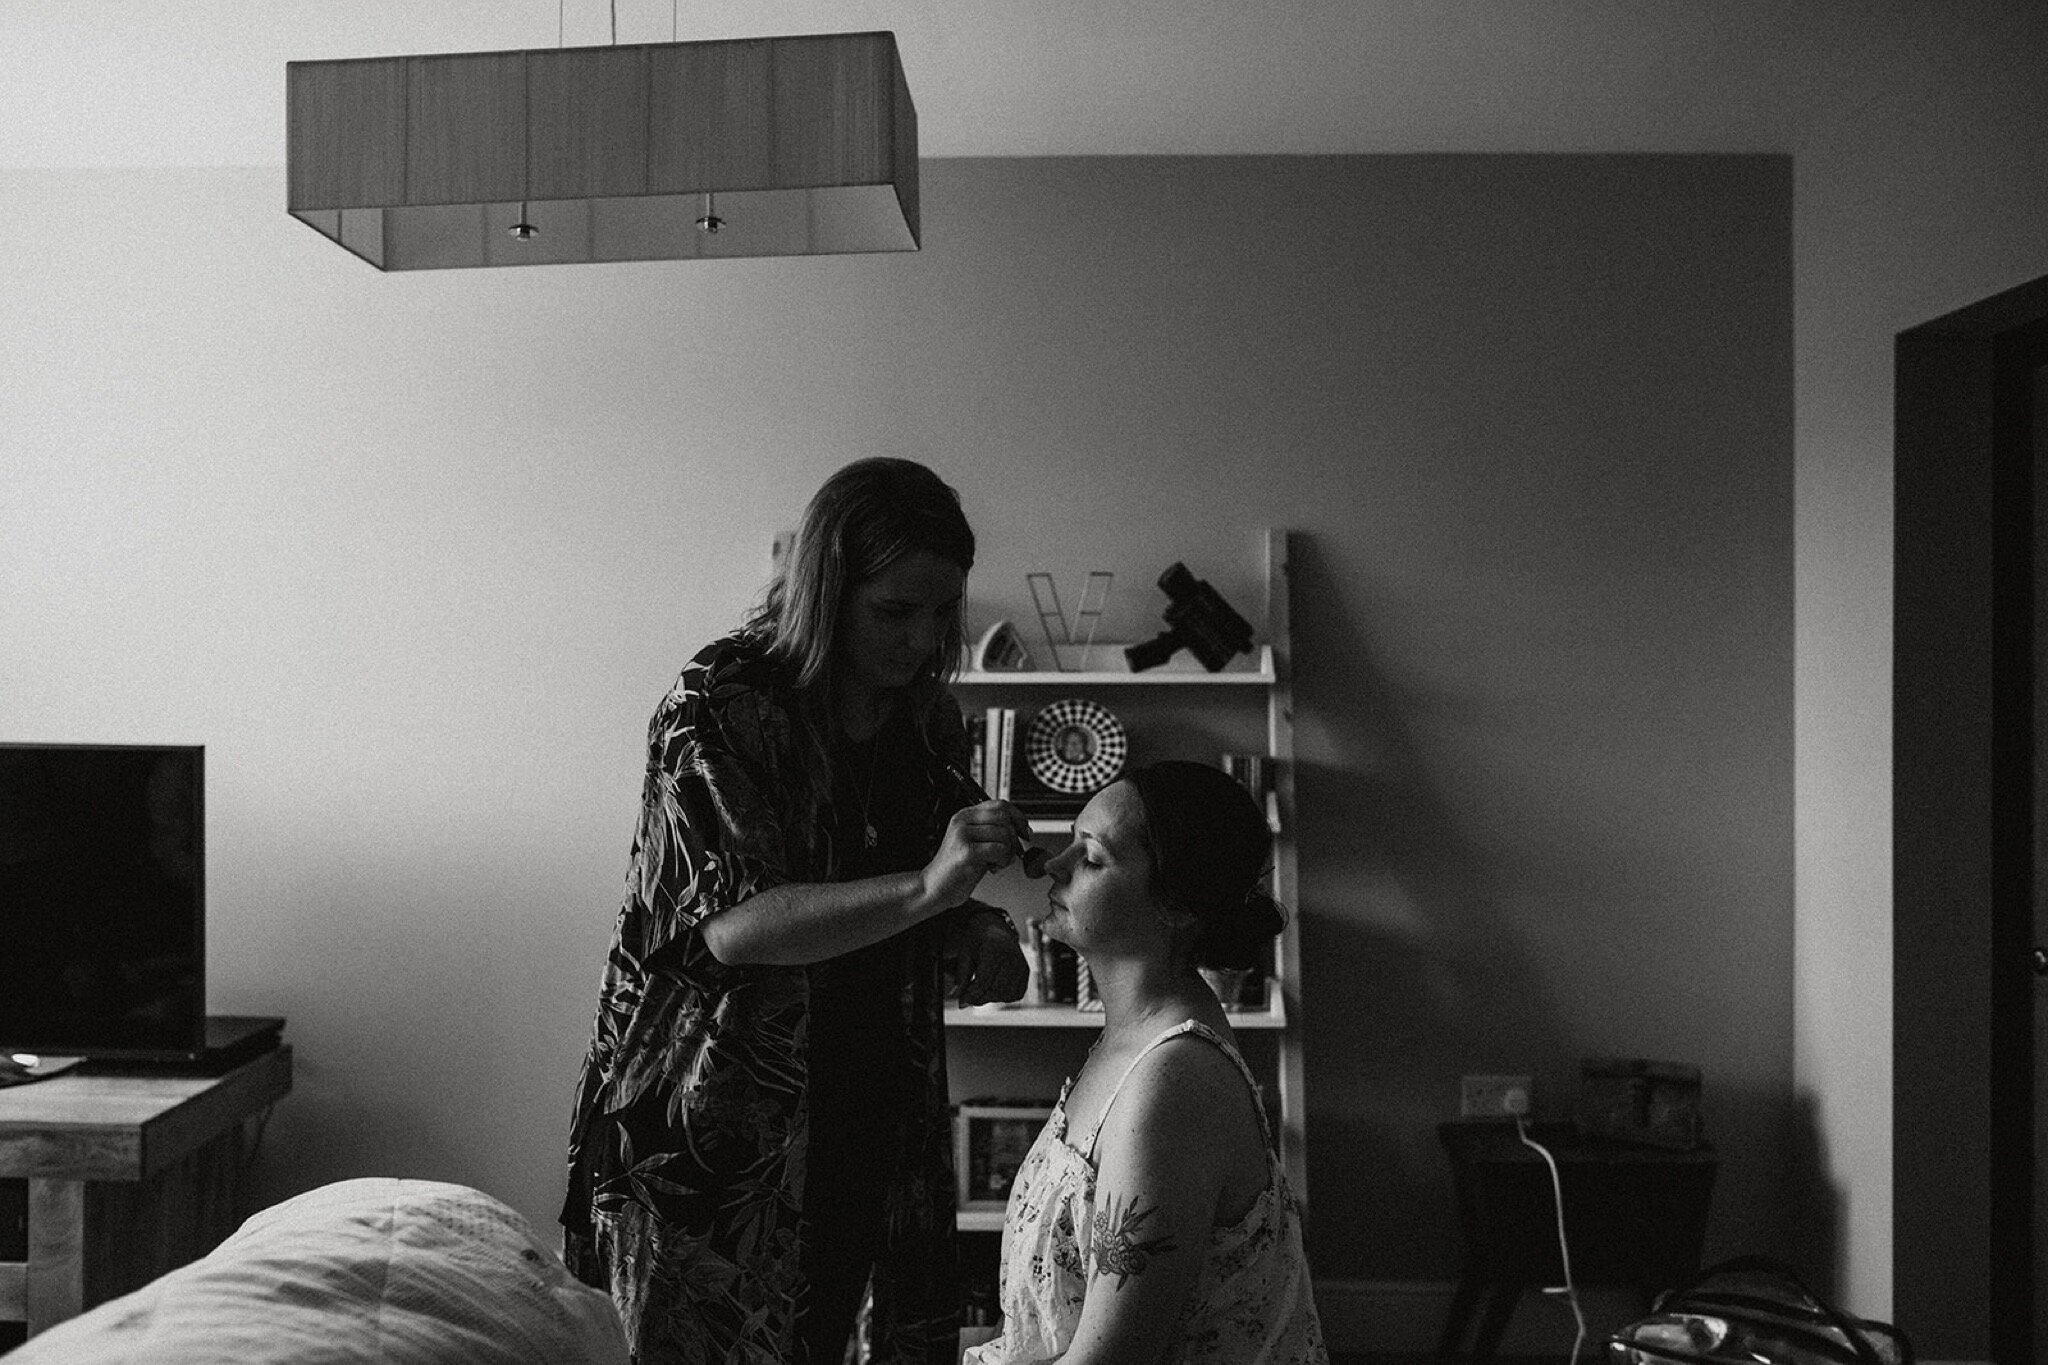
x=1151 y=1220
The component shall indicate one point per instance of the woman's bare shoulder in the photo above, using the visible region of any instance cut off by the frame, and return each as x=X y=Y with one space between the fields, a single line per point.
x=1186 y=1084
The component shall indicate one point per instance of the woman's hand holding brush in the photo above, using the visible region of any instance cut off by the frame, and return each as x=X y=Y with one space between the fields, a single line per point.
x=1029 y=855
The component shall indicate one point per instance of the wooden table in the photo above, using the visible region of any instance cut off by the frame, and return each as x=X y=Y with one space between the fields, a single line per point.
x=130 y=1173
x=1636 y=1217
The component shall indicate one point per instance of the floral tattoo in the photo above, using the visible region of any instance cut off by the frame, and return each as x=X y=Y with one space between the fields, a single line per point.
x=1117 y=1248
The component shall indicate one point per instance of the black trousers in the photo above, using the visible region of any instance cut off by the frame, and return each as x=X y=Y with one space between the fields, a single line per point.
x=856 y=1143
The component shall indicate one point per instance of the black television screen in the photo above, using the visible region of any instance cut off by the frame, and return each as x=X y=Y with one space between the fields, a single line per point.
x=102 y=900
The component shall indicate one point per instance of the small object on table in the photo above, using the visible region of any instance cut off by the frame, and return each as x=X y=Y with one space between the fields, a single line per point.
x=1633 y=1100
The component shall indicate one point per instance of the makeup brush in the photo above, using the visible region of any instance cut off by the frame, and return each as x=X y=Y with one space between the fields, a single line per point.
x=1030 y=855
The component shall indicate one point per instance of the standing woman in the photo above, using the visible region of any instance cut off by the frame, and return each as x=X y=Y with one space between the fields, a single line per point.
x=761 y=1122
x=1152 y=1221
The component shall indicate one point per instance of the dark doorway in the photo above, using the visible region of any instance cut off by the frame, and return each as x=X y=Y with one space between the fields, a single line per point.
x=1970 y=695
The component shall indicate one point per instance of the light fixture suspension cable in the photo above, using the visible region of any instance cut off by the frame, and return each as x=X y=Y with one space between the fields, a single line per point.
x=522 y=230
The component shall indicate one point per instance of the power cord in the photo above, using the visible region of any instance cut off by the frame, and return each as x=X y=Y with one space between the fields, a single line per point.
x=1564 y=1251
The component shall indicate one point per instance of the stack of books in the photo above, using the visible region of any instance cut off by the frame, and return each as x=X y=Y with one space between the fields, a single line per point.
x=992 y=736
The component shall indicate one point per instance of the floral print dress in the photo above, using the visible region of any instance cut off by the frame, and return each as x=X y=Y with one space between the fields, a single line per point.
x=1251 y=1304
x=688 y=1133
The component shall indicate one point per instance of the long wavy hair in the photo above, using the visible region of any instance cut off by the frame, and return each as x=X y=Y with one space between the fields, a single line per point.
x=862 y=520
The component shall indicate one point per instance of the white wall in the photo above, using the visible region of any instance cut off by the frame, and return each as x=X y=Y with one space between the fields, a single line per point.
x=1927 y=195
x=415 y=556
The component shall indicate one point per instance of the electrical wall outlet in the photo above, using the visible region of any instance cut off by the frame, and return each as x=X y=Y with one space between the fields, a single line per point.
x=1494 y=1097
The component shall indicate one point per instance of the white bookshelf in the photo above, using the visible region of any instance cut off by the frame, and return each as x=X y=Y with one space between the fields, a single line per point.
x=1264 y=676
x=1179 y=671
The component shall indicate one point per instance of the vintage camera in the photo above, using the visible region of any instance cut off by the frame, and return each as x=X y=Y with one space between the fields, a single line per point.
x=1197 y=619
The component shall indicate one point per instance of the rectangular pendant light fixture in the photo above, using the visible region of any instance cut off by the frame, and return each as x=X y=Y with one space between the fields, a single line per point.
x=656 y=151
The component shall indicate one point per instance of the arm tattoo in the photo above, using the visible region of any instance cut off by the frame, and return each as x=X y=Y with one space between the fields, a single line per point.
x=1117 y=1248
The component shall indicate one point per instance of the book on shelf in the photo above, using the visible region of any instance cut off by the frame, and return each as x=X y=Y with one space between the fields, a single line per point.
x=994 y=776
x=1054 y=968
x=1006 y=751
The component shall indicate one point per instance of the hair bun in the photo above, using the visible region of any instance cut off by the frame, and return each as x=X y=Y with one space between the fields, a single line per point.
x=1210 y=848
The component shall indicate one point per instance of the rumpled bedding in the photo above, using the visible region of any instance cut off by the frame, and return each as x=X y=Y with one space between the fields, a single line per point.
x=398 y=1272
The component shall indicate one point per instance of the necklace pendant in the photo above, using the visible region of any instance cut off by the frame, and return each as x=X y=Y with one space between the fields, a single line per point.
x=870 y=834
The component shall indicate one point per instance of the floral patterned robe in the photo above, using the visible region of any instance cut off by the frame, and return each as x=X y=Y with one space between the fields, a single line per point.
x=686 y=1153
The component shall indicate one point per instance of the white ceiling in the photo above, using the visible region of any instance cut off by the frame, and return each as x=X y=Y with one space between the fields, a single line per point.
x=201 y=82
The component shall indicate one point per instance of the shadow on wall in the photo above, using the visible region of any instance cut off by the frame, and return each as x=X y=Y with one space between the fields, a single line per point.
x=1814 y=1206
x=1416 y=973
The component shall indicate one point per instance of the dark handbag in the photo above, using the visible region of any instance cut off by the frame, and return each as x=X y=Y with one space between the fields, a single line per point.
x=1754 y=1309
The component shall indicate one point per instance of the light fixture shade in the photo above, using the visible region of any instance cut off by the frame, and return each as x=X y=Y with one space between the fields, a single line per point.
x=804 y=145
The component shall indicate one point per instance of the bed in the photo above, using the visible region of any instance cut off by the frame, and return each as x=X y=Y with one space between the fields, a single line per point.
x=400 y=1272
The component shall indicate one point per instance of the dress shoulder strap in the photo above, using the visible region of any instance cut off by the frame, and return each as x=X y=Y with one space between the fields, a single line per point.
x=1200 y=1030
x=1251 y=1081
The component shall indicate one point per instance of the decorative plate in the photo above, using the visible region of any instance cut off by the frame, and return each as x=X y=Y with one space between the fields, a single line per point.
x=1075 y=746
